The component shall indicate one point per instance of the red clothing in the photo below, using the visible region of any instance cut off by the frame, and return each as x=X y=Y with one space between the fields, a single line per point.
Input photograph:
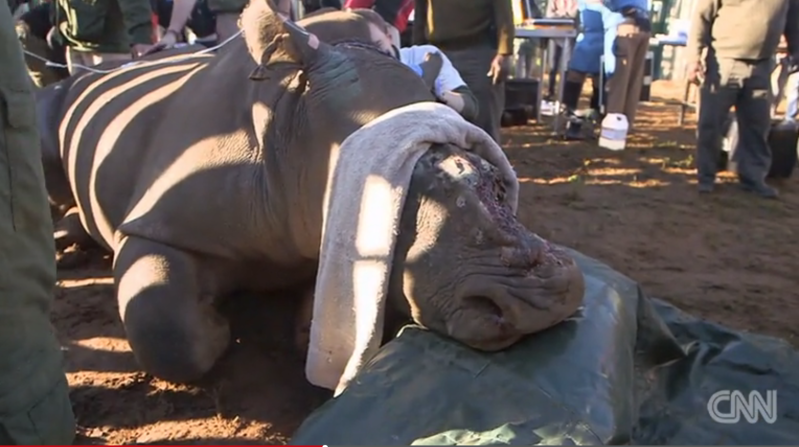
x=395 y=12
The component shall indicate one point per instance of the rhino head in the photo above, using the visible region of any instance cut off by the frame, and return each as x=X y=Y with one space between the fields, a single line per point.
x=464 y=265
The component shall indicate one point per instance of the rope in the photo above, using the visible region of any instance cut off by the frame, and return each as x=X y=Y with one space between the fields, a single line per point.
x=50 y=63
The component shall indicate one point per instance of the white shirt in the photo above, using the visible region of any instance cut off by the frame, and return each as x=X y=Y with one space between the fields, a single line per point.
x=448 y=78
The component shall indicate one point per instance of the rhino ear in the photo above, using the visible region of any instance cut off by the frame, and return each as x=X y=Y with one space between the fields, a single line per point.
x=274 y=40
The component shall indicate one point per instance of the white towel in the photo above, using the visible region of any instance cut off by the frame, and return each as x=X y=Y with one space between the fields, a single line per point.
x=367 y=184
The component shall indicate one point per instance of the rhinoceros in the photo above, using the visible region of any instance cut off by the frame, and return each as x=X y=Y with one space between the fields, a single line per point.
x=206 y=176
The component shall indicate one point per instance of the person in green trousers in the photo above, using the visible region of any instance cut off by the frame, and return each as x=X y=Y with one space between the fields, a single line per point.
x=34 y=394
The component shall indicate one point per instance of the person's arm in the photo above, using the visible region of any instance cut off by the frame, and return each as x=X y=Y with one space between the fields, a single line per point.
x=138 y=22
x=452 y=90
x=419 y=22
x=506 y=30
x=701 y=24
x=791 y=32
x=463 y=101
x=181 y=10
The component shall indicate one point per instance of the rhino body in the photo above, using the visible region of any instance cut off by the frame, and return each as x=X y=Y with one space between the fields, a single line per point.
x=205 y=175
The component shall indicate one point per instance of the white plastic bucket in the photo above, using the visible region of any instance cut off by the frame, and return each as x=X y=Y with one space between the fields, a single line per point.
x=613 y=135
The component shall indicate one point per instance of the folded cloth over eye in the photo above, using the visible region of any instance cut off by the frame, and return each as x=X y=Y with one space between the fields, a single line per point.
x=368 y=178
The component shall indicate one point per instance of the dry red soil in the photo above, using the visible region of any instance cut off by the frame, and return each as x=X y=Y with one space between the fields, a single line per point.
x=728 y=257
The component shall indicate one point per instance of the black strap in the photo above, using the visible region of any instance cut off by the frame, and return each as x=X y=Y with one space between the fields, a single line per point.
x=639 y=16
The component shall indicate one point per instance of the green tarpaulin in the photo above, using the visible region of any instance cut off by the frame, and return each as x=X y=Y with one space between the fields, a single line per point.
x=626 y=369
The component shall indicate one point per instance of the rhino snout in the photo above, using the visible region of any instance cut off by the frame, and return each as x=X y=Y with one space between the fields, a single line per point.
x=541 y=287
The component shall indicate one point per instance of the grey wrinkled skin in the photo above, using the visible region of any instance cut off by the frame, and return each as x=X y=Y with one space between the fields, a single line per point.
x=205 y=176
x=482 y=278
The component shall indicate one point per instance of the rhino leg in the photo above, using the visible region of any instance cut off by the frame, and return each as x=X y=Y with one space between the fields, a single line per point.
x=165 y=298
x=69 y=231
x=49 y=104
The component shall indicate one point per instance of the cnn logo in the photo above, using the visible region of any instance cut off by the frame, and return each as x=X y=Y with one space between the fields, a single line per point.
x=752 y=408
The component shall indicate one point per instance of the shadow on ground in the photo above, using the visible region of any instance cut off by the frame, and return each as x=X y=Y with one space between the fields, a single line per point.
x=257 y=392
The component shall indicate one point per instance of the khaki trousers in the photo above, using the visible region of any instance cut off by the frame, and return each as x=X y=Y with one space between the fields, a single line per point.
x=473 y=65
x=624 y=87
x=77 y=60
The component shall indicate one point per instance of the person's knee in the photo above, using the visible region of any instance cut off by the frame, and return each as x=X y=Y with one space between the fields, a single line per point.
x=50 y=421
x=575 y=76
x=202 y=23
x=707 y=126
x=755 y=123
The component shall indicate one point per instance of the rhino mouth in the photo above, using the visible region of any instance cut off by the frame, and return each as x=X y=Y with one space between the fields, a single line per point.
x=509 y=282
x=534 y=286
x=485 y=306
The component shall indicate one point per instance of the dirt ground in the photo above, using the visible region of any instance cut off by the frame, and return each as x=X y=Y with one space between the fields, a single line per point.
x=729 y=257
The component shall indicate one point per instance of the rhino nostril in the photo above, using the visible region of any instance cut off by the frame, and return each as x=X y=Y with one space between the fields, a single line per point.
x=527 y=256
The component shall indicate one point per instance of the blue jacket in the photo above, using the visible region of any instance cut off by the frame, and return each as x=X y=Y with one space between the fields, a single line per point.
x=590 y=42
x=598 y=35
x=611 y=17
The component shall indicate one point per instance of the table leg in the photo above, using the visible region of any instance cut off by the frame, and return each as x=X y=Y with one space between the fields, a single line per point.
x=563 y=63
x=520 y=69
x=540 y=87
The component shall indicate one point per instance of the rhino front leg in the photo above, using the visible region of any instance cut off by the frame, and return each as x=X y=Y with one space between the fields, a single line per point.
x=166 y=305
x=69 y=230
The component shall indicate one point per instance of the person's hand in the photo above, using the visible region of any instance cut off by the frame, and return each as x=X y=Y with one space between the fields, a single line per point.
x=453 y=100
x=695 y=72
x=168 y=40
x=139 y=49
x=500 y=67
x=431 y=68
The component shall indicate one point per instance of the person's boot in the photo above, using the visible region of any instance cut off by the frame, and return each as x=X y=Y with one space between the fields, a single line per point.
x=571 y=95
x=595 y=96
x=574 y=123
x=759 y=188
x=553 y=78
x=705 y=187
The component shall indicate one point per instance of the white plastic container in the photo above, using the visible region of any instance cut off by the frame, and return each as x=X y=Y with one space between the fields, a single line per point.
x=613 y=134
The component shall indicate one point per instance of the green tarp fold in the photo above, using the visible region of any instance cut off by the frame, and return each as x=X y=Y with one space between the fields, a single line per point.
x=625 y=369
